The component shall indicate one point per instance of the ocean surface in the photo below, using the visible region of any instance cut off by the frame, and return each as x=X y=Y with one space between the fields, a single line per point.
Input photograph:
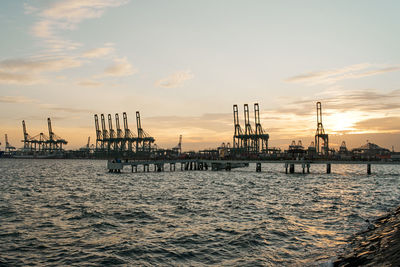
x=75 y=213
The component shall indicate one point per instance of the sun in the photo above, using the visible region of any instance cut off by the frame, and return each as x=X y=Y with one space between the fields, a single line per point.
x=341 y=122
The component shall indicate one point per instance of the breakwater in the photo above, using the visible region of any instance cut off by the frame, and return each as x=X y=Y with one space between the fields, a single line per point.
x=378 y=245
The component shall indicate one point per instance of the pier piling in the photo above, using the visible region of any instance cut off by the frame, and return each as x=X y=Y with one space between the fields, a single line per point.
x=291 y=168
x=328 y=168
x=258 y=167
x=228 y=166
x=172 y=167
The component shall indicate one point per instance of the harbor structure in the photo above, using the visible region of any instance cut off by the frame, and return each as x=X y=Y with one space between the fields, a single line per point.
x=9 y=148
x=228 y=165
x=249 y=140
x=122 y=142
x=321 y=138
x=41 y=142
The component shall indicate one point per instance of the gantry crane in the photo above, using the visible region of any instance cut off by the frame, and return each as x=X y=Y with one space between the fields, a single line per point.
x=321 y=138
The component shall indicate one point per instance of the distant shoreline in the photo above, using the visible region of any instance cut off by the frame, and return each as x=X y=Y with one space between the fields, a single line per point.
x=378 y=245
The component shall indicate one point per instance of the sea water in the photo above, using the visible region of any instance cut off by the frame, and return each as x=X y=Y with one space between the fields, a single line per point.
x=75 y=213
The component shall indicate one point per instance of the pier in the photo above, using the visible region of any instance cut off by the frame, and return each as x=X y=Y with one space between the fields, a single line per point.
x=227 y=165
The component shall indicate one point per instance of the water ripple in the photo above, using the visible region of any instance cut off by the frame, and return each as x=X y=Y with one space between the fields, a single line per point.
x=72 y=212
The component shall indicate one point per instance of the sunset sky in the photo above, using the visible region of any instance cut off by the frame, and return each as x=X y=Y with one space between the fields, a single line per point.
x=184 y=63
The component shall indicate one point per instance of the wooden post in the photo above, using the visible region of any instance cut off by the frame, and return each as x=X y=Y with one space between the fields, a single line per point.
x=286 y=167
x=291 y=168
x=328 y=168
x=304 y=167
x=308 y=168
x=369 y=168
x=258 y=167
x=214 y=166
x=228 y=166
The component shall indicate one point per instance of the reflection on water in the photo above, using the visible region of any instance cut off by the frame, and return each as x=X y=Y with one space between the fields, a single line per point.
x=69 y=212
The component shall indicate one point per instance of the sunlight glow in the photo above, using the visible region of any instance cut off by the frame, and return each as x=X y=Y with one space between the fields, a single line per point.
x=342 y=122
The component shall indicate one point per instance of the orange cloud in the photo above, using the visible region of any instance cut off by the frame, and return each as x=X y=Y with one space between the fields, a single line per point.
x=175 y=80
x=335 y=75
x=27 y=71
x=98 y=52
x=121 y=67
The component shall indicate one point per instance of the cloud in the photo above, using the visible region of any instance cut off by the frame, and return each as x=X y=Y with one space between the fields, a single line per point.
x=17 y=78
x=385 y=124
x=90 y=83
x=27 y=71
x=66 y=15
x=28 y=9
x=121 y=67
x=43 y=118
x=52 y=18
x=98 y=52
x=215 y=122
x=366 y=101
x=335 y=75
x=74 y=11
x=65 y=109
x=39 y=65
x=175 y=80
x=193 y=128
x=16 y=99
x=43 y=29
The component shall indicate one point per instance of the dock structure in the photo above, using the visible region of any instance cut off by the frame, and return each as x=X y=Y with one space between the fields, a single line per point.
x=41 y=142
x=321 y=138
x=249 y=140
x=121 y=142
x=227 y=165
x=158 y=165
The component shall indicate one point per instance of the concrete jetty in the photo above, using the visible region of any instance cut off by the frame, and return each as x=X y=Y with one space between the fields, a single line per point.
x=227 y=165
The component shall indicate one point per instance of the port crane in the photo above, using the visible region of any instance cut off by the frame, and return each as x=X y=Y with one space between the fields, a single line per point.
x=8 y=147
x=321 y=138
x=249 y=140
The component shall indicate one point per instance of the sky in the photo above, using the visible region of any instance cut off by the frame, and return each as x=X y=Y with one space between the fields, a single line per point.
x=184 y=63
